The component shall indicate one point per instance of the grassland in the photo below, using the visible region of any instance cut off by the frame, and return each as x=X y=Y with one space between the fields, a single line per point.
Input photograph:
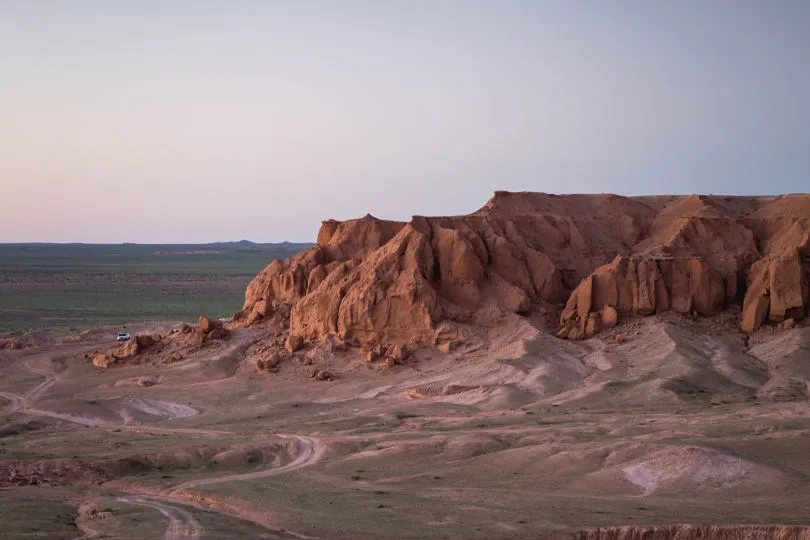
x=653 y=430
x=70 y=287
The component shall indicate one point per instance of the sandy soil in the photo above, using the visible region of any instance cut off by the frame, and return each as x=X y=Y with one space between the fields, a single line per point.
x=503 y=438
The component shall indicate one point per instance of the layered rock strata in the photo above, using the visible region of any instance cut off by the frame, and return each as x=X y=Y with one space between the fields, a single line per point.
x=374 y=281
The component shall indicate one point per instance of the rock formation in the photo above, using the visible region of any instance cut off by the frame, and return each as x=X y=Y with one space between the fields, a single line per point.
x=374 y=282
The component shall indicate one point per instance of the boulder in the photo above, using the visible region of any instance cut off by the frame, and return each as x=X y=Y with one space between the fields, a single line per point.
x=218 y=333
x=609 y=316
x=207 y=324
x=755 y=311
x=323 y=375
x=787 y=324
x=103 y=361
x=268 y=362
x=593 y=325
x=294 y=343
x=197 y=336
x=397 y=353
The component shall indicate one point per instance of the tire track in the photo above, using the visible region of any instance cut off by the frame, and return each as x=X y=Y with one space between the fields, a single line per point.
x=182 y=525
x=306 y=451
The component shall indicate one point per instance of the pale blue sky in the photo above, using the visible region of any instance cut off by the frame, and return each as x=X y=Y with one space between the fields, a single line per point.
x=194 y=121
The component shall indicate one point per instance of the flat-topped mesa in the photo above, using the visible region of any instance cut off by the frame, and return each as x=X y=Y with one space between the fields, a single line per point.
x=377 y=281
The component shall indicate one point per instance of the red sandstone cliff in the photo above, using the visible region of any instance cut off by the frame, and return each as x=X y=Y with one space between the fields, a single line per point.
x=609 y=256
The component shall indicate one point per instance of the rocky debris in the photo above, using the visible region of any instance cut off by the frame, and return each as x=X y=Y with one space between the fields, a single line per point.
x=268 y=362
x=26 y=341
x=294 y=343
x=156 y=348
x=104 y=360
x=197 y=337
x=787 y=324
x=144 y=382
x=320 y=374
x=219 y=333
x=95 y=513
x=374 y=281
x=392 y=354
x=207 y=324
x=183 y=329
x=376 y=352
x=50 y=473
x=397 y=353
x=333 y=344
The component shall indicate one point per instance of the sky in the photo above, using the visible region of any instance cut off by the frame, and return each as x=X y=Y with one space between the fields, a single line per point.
x=195 y=120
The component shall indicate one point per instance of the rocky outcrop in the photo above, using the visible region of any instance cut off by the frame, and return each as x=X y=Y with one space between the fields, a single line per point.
x=778 y=289
x=208 y=324
x=638 y=286
x=26 y=341
x=371 y=281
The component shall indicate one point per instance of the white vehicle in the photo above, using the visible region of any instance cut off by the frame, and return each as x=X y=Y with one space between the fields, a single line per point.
x=123 y=336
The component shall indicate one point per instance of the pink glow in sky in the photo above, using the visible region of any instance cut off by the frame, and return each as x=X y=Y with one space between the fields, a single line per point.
x=197 y=121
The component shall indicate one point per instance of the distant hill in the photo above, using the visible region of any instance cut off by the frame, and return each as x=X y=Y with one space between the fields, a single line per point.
x=248 y=243
x=103 y=257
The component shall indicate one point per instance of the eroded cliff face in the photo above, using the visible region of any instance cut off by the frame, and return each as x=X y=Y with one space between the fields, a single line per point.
x=611 y=257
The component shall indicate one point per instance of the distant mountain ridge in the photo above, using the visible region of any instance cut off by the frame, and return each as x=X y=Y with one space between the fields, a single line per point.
x=238 y=243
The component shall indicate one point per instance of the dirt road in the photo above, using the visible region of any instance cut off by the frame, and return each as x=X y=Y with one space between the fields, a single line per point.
x=182 y=525
x=307 y=451
x=19 y=402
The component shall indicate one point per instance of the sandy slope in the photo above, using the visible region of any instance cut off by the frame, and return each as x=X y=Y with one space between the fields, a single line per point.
x=679 y=410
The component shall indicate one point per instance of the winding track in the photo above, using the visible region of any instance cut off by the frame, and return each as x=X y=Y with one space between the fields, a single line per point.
x=182 y=525
x=307 y=451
